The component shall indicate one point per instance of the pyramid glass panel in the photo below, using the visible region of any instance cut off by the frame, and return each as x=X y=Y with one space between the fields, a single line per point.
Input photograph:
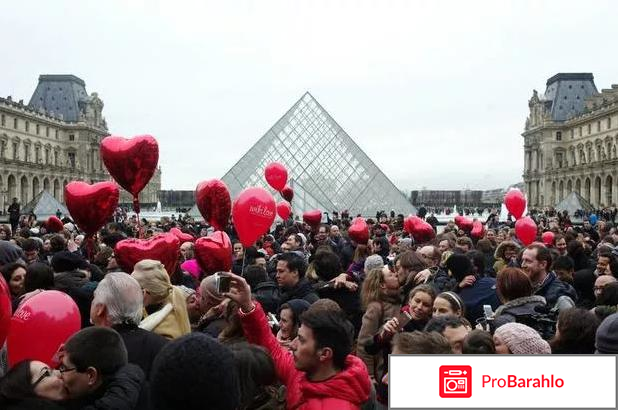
x=326 y=169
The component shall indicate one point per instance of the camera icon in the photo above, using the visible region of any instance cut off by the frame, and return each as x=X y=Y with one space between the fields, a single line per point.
x=455 y=381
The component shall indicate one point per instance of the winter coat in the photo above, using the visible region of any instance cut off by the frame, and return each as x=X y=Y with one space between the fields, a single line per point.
x=127 y=389
x=583 y=282
x=552 y=288
x=376 y=314
x=501 y=262
x=482 y=292
x=142 y=345
x=347 y=300
x=512 y=310
x=171 y=320
x=267 y=293
x=441 y=281
x=348 y=389
x=31 y=403
x=76 y=284
x=302 y=290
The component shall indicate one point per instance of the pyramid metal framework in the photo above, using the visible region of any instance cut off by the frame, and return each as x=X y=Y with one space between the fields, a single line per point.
x=326 y=169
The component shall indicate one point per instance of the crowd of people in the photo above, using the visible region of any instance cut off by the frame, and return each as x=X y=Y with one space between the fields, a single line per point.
x=309 y=317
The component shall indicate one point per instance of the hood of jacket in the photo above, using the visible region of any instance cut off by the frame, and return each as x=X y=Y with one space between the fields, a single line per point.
x=351 y=384
x=499 y=254
x=70 y=280
x=521 y=305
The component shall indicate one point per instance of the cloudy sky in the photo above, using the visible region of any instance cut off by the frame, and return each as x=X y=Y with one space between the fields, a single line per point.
x=435 y=92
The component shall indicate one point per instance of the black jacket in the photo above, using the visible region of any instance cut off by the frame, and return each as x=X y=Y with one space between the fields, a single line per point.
x=552 y=288
x=142 y=345
x=516 y=308
x=348 y=301
x=267 y=293
x=302 y=290
x=583 y=281
x=79 y=288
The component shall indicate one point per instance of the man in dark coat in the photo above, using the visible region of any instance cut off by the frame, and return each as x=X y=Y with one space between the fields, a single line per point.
x=14 y=213
x=118 y=303
x=291 y=279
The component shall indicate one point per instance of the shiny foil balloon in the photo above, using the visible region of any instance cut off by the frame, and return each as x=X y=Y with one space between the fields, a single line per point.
x=214 y=253
x=284 y=210
x=253 y=213
x=183 y=237
x=40 y=325
x=214 y=202
x=287 y=193
x=91 y=206
x=526 y=230
x=132 y=162
x=312 y=218
x=478 y=230
x=164 y=248
x=5 y=310
x=515 y=202
x=548 y=238
x=54 y=224
x=276 y=175
x=359 y=231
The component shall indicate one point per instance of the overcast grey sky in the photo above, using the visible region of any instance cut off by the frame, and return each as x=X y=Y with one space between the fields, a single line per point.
x=435 y=92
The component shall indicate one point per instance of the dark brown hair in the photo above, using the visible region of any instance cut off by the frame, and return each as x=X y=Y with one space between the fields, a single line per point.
x=513 y=283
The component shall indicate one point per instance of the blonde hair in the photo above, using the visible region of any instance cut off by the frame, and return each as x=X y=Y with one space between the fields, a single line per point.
x=371 y=291
x=153 y=278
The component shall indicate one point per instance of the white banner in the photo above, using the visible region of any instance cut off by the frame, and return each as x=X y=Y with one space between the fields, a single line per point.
x=502 y=381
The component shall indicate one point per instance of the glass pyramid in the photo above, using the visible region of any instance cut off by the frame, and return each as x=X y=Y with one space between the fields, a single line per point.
x=326 y=169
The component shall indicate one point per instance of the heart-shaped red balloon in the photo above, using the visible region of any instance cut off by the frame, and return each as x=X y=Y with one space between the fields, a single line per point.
x=359 y=231
x=276 y=175
x=463 y=223
x=54 y=224
x=548 y=238
x=132 y=162
x=214 y=202
x=478 y=229
x=164 y=248
x=184 y=237
x=287 y=193
x=91 y=206
x=5 y=310
x=284 y=210
x=515 y=202
x=253 y=213
x=420 y=230
x=312 y=218
x=525 y=229
x=214 y=253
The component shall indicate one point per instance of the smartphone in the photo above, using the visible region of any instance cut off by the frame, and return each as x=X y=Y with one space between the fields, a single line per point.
x=488 y=311
x=404 y=318
x=222 y=283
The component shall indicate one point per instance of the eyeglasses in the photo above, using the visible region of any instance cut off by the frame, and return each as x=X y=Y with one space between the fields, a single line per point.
x=46 y=373
x=63 y=369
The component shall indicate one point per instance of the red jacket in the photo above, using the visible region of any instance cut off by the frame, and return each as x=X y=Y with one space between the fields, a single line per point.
x=348 y=389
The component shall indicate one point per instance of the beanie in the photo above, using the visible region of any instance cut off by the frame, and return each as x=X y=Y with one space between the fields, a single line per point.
x=522 y=339
x=214 y=379
x=192 y=268
x=65 y=261
x=607 y=335
x=297 y=306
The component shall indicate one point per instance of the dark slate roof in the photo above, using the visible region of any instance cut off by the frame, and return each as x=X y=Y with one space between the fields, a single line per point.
x=61 y=94
x=566 y=92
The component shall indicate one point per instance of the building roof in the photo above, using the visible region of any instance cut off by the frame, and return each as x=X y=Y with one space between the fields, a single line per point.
x=65 y=95
x=566 y=93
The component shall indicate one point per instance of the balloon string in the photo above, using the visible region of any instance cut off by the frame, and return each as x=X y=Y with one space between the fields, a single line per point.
x=90 y=247
x=136 y=209
x=242 y=269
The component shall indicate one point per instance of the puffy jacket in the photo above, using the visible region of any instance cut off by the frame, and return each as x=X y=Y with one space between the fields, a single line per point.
x=512 y=310
x=552 y=288
x=302 y=290
x=482 y=292
x=348 y=389
x=267 y=293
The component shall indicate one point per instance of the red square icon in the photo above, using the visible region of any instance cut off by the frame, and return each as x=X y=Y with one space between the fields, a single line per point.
x=455 y=381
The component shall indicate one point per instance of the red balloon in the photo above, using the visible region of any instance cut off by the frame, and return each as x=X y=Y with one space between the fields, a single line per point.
x=5 y=310
x=214 y=202
x=54 y=224
x=164 y=248
x=41 y=325
x=359 y=231
x=420 y=230
x=312 y=218
x=515 y=202
x=132 y=162
x=253 y=213
x=276 y=175
x=91 y=206
x=287 y=193
x=478 y=229
x=284 y=210
x=548 y=238
x=183 y=237
x=525 y=229
x=214 y=253
x=458 y=220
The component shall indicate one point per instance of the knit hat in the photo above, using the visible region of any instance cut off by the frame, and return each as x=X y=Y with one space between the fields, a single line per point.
x=522 y=339
x=192 y=268
x=65 y=261
x=607 y=335
x=373 y=262
x=214 y=380
x=297 y=306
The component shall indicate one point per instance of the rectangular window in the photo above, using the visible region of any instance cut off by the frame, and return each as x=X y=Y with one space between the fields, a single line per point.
x=56 y=158
x=580 y=131
x=572 y=133
x=609 y=122
x=38 y=129
x=47 y=132
x=15 y=151
x=71 y=137
x=589 y=129
x=15 y=123
x=598 y=126
x=37 y=154
x=27 y=126
x=26 y=153
x=56 y=134
x=72 y=159
x=558 y=135
x=46 y=156
x=3 y=120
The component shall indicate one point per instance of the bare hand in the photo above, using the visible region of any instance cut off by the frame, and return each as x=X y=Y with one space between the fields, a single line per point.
x=391 y=327
x=467 y=281
x=240 y=292
x=340 y=281
x=422 y=276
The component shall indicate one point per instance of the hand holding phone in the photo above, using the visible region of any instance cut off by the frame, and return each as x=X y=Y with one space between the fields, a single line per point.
x=222 y=282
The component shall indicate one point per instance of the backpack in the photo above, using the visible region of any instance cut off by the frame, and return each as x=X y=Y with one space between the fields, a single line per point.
x=545 y=320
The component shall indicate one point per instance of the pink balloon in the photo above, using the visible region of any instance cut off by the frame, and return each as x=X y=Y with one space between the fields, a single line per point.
x=525 y=229
x=548 y=238
x=5 y=309
x=478 y=229
x=253 y=213
x=284 y=210
x=276 y=175
x=40 y=325
x=515 y=202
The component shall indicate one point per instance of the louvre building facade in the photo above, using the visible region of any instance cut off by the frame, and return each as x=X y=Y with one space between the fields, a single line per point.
x=570 y=142
x=52 y=140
